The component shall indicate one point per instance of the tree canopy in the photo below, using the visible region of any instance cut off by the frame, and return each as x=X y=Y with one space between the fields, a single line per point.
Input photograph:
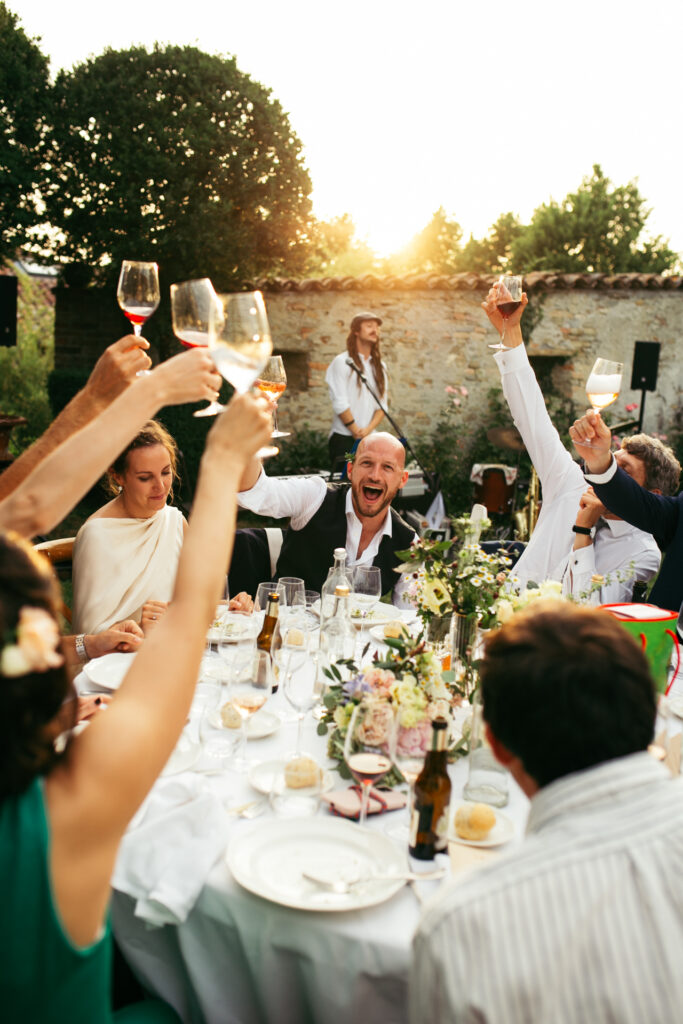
x=23 y=105
x=175 y=155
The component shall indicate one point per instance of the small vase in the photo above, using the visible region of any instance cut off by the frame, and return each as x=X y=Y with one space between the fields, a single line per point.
x=463 y=637
x=438 y=630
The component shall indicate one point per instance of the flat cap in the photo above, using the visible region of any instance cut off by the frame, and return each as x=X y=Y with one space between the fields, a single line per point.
x=360 y=317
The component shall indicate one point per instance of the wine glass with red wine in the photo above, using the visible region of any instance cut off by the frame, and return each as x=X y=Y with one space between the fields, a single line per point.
x=368 y=745
x=138 y=292
x=509 y=299
x=191 y=303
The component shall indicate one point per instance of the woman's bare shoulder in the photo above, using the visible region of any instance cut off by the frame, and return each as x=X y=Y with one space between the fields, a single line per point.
x=109 y=511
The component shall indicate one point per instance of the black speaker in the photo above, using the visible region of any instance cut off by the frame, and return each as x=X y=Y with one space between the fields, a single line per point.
x=8 y=310
x=645 y=366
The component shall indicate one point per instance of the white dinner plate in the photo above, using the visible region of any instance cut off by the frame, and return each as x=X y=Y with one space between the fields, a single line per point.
x=263 y=774
x=271 y=858
x=377 y=616
x=233 y=627
x=183 y=757
x=263 y=723
x=109 y=671
x=502 y=832
x=377 y=632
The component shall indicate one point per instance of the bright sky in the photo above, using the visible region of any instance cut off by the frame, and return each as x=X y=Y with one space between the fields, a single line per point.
x=403 y=107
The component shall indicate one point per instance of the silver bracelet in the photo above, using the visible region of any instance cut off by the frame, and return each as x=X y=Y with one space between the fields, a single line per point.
x=81 y=652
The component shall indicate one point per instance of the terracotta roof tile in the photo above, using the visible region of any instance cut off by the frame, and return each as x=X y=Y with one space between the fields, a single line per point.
x=538 y=281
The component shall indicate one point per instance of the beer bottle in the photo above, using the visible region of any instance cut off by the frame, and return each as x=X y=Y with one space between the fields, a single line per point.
x=265 y=637
x=431 y=798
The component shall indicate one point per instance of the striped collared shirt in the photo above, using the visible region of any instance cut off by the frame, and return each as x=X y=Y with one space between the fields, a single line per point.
x=583 y=924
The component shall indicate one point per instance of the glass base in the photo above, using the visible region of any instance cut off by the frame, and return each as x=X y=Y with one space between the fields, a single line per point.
x=280 y=433
x=210 y=410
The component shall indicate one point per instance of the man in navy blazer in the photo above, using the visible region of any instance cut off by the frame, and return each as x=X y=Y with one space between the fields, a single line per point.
x=620 y=490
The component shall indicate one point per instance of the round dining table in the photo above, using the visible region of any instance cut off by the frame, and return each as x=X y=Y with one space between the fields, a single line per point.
x=219 y=953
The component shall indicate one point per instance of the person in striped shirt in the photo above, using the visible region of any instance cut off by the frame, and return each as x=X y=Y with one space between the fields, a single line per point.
x=584 y=920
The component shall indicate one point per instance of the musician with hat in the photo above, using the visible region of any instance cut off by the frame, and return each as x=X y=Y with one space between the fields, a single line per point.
x=354 y=378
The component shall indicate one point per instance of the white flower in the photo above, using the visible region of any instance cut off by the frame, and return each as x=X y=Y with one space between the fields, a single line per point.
x=13 y=661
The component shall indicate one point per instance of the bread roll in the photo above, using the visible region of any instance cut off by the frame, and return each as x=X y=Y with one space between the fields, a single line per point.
x=301 y=772
x=474 y=821
x=230 y=716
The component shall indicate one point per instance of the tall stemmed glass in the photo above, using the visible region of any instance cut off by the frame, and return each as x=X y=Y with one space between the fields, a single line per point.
x=273 y=381
x=509 y=299
x=249 y=687
x=138 y=292
x=367 y=746
x=191 y=303
x=411 y=740
x=603 y=386
x=240 y=342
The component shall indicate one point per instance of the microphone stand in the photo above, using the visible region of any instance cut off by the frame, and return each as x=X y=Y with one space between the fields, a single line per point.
x=431 y=479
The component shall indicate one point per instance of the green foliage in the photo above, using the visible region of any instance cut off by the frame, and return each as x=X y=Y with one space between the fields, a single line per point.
x=305 y=451
x=176 y=156
x=23 y=104
x=337 y=252
x=24 y=368
x=598 y=228
x=435 y=249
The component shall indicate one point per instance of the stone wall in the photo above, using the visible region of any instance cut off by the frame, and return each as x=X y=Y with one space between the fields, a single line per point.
x=435 y=334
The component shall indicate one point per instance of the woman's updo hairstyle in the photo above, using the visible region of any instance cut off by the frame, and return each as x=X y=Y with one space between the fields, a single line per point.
x=30 y=702
x=152 y=433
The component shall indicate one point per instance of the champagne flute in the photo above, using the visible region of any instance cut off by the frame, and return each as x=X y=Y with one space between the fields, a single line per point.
x=273 y=381
x=603 y=386
x=367 y=588
x=191 y=303
x=508 y=300
x=138 y=292
x=367 y=746
x=240 y=342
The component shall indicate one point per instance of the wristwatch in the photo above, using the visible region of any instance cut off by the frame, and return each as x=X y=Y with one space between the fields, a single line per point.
x=585 y=531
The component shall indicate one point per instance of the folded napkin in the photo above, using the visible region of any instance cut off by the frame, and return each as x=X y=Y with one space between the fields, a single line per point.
x=170 y=848
x=346 y=802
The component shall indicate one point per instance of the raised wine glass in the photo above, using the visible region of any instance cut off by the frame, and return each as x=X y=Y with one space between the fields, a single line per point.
x=603 y=386
x=138 y=292
x=240 y=342
x=508 y=300
x=367 y=746
x=273 y=381
x=191 y=302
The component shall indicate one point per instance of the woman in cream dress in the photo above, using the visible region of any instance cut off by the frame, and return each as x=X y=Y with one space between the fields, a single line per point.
x=126 y=555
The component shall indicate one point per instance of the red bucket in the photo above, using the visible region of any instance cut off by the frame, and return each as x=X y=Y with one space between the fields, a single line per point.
x=655 y=630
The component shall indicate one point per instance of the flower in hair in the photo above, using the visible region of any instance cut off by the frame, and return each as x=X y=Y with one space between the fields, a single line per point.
x=36 y=647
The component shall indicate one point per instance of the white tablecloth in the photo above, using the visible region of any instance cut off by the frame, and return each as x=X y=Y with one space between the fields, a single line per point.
x=240 y=958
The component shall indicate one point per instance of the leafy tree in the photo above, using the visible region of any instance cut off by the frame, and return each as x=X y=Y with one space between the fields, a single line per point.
x=492 y=254
x=598 y=228
x=337 y=252
x=175 y=155
x=23 y=104
x=435 y=249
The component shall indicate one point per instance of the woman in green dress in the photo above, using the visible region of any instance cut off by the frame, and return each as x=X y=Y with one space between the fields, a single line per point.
x=62 y=816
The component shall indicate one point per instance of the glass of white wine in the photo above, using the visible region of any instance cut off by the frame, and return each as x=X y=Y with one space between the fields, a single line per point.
x=191 y=303
x=240 y=342
x=603 y=386
x=273 y=382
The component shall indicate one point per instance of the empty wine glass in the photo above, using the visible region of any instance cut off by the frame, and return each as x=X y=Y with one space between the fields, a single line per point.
x=288 y=648
x=240 y=342
x=262 y=591
x=367 y=746
x=603 y=386
x=299 y=688
x=191 y=303
x=509 y=299
x=273 y=381
x=138 y=292
x=367 y=589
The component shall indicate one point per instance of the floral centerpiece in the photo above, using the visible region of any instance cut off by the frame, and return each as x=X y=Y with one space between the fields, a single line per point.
x=410 y=677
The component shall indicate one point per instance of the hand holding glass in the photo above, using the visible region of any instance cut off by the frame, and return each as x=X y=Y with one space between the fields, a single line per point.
x=509 y=299
x=138 y=292
x=603 y=386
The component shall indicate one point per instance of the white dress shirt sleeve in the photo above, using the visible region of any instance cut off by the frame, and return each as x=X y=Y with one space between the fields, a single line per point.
x=640 y=562
x=553 y=463
x=297 y=497
x=603 y=478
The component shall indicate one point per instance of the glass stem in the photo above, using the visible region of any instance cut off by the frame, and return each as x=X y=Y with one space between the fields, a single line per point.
x=299 y=733
x=275 y=426
x=137 y=330
x=364 y=801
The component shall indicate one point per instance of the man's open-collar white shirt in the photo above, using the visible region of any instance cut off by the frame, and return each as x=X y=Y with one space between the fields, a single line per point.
x=549 y=553
x=581 y=923
x=300 y=498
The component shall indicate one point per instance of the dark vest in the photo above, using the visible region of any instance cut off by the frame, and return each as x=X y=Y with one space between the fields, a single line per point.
x=309 y=553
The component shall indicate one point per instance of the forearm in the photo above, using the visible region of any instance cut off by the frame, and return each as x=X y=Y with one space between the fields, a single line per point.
x=377 y=418
x=43 y=499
